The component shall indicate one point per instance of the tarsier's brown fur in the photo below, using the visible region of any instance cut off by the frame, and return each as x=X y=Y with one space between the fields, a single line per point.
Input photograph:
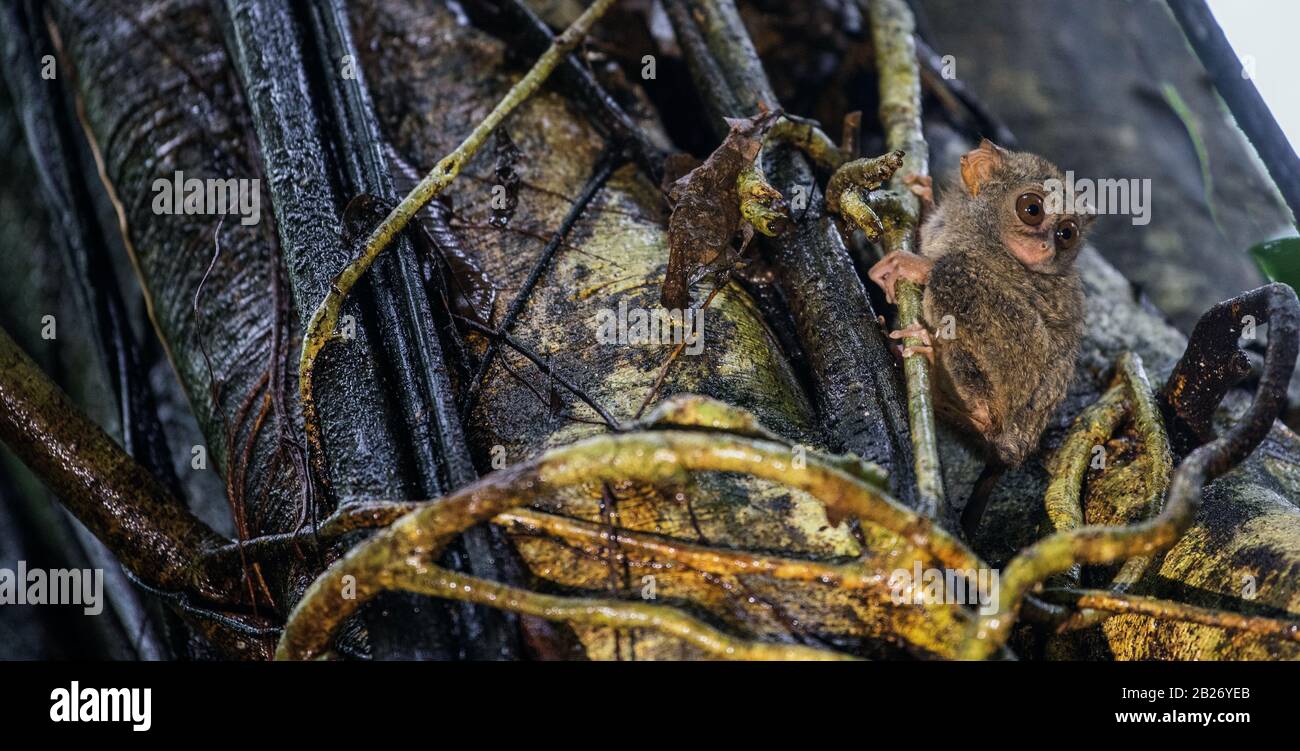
x=1014 y=296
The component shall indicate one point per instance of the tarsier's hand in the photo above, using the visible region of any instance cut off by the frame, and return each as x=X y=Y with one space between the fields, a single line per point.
x=922 y=186
x=899 y=265
x=920 y=332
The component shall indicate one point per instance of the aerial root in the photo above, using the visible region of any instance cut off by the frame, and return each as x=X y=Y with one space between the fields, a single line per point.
x=401 y=555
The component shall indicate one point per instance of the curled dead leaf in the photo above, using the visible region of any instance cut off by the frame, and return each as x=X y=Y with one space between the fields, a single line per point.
x=706 y=210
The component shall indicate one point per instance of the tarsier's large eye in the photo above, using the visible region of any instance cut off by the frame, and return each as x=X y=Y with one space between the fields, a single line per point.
x=1029 y=207
x=1067 y=234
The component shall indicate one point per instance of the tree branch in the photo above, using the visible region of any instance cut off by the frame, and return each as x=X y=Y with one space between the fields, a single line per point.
x=147 y=528
x=892 y=31
x=1234 y=84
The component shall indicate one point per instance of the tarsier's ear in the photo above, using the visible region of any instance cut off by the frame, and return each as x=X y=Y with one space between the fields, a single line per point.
x=1084 y=211
x=978 y=164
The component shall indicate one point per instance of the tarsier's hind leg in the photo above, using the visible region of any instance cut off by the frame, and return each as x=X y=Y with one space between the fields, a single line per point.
x=964 y=383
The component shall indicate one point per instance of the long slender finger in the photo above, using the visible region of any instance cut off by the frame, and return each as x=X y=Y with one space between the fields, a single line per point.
x=922 y=349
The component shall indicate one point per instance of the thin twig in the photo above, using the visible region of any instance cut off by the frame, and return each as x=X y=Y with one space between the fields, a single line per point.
x=892 y=31
x=857 y=575
x=577 y=80
x=523 y=349
x=672 y=357
x=1114 y=603
x=605 y=165
x=697 y=557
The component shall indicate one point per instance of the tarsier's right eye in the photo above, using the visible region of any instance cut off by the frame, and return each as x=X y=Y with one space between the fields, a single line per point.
x=1029 y=207
x=1067 y=234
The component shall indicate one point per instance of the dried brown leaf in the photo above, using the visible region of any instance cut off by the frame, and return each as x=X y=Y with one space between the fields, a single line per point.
x=706 y=213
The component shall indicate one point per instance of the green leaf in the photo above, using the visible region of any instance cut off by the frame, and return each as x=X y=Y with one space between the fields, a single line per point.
x=1279 y=260
x=1188 y=118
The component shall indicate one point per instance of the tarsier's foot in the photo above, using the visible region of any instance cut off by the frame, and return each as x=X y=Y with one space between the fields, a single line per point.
x=914 y=330
x=918 y=331
x=922 y=186
x=899 y=265
x=980 y=418
x=919 y=349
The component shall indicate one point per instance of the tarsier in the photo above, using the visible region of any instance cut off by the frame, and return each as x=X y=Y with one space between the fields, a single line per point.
x=1001 y=290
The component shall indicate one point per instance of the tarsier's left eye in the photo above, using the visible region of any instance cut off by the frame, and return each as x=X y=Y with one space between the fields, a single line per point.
x=1067 y=234
x=1029 y=207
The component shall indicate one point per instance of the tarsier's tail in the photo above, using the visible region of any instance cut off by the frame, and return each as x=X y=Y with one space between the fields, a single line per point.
x=979 y=497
